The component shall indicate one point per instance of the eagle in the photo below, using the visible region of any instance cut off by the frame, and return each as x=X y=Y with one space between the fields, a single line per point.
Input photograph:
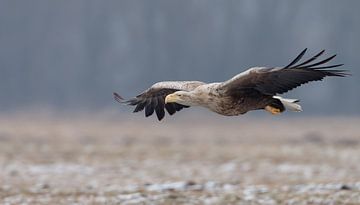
x=254 y=89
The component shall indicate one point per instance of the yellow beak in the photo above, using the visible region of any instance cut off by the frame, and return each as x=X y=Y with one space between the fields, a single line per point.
x=170 y=98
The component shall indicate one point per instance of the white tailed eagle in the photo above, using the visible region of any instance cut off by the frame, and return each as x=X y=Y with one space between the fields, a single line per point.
x=253 y=89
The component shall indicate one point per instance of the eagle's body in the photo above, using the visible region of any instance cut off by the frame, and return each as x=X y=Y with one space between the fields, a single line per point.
x=213 y=97
x=253 y=89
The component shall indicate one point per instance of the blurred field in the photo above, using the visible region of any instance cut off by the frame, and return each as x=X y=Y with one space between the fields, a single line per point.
x=102 y=159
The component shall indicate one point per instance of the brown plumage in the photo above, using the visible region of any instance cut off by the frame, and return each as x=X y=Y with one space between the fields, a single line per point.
x=253 y=89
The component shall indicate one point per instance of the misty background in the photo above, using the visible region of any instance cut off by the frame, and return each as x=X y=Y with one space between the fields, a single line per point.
x=71 y=55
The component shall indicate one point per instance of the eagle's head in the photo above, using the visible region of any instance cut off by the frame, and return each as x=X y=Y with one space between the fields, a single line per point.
x=181 y=97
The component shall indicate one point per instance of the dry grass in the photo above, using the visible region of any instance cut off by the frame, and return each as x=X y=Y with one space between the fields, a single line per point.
x=105 y=160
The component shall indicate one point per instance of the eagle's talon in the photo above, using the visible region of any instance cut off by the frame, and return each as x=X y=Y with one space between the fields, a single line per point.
x=273 y=110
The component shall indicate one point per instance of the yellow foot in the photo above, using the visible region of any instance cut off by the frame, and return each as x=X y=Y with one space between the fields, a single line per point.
x=272 y=110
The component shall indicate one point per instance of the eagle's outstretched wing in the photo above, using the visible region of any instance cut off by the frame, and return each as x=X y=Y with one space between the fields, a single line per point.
x=278 y=80
x=153 y=99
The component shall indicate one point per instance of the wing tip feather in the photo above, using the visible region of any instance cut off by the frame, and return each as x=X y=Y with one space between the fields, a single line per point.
x=298 y=57
x=118 y=97
x=305 y=64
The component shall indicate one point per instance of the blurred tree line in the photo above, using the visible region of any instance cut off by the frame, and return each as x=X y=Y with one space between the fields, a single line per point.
x=73 y=54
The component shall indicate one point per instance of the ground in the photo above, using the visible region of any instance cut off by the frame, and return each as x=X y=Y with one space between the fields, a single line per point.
x=189 y=159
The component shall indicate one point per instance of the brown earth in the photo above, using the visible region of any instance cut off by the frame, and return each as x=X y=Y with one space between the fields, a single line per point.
x=101 y=159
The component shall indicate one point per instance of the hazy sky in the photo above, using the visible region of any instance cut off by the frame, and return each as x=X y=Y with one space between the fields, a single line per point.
x=70 y=55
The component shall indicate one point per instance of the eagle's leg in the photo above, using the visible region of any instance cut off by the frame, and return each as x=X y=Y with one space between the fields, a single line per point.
x=273 y=110
x=275 y=106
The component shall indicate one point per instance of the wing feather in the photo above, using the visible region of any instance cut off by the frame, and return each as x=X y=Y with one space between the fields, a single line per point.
x=312 y=59
x=297 y=58
x=170 y=108
x=140 y=106
x=159 y=109
x=149 y=109
x=278 y=80
x=153 y=99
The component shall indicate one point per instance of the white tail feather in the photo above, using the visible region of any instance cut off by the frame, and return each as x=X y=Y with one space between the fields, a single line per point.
x=290 y=104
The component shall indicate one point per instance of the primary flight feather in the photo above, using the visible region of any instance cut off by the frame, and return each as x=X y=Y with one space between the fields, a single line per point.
x=253 y=89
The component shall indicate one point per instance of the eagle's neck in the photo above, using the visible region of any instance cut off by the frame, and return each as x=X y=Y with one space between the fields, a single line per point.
x=192 y=99
x=201 y=97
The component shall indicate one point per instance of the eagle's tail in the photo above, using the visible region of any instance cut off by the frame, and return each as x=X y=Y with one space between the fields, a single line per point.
x=290 y=104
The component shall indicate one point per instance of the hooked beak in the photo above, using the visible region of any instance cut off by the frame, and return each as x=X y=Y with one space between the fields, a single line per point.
x=170 y=98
